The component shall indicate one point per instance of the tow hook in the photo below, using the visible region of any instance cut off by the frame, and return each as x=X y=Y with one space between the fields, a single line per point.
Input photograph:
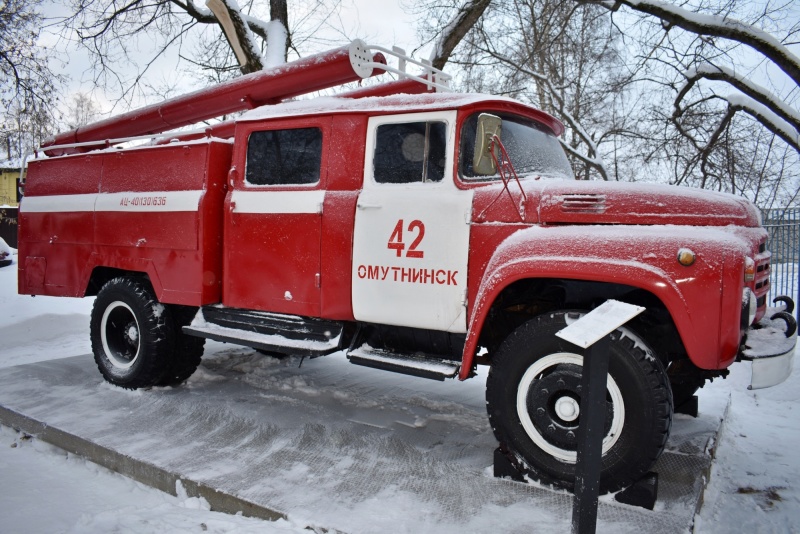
x=787 y=301
x=791 y=324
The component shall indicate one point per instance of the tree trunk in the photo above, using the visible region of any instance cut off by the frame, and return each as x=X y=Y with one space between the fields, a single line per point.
x=278 y=10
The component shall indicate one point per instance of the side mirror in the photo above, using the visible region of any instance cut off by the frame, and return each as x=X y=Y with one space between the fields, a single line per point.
x=488 y=126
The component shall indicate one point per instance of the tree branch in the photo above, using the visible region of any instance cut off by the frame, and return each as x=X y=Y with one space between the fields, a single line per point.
x=767 y=118
x=754 y=91
x=454 y=33
x=716 y=26
x=238 y=34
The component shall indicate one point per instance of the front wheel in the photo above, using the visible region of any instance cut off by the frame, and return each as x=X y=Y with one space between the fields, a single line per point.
x=533 y=398
x=133 y=338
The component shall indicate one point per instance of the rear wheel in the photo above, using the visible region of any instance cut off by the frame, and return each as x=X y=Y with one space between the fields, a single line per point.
x=533 y=399
x=133 y=337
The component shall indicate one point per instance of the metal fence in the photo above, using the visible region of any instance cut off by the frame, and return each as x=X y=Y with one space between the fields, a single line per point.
x=783 y=226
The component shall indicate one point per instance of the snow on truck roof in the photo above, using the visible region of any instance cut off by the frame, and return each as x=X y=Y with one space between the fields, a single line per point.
x=401 y=103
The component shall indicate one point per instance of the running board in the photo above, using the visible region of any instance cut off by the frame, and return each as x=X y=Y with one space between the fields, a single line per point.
x=287 y=334
x=422 y=366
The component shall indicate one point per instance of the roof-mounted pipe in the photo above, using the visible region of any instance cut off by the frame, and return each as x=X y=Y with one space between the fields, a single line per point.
x=321 y=71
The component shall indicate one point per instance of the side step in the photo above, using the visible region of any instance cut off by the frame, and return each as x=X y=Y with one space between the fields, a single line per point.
x=409 y=364
x=288 y=334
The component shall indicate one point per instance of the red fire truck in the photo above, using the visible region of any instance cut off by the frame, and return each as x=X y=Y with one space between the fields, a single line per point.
x=419 y=230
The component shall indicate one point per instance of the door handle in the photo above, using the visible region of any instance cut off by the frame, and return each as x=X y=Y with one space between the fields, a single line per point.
x=363 y=206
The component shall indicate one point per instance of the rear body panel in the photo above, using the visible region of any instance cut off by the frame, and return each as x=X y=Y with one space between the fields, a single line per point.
x=156 y=210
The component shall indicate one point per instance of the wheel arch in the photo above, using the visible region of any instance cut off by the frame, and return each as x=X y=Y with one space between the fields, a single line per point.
x=98 y=271
x=557 y=286
x=101 y=275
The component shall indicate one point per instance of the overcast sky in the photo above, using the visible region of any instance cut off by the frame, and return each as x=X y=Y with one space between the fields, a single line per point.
x=379 y=22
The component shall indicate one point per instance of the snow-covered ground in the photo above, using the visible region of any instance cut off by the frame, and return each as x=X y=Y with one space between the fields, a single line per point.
x=44 y=489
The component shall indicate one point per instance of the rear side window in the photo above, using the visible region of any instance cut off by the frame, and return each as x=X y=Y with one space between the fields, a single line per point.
x=284 y=157
x=410 y=152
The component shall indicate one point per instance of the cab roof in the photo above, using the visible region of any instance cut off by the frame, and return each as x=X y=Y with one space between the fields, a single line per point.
x=396 y=104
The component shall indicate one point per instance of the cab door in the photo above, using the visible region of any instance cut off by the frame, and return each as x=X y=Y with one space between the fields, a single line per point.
x=273 y=219
x=411 y=237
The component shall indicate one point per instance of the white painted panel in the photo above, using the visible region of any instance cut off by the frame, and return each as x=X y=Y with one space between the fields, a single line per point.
x=391 y=286
x=58 y=203
x=266 y=201
x=423 y=292
x=166 y=201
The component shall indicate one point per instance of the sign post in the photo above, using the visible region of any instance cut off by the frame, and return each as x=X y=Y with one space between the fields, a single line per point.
x=592 y=332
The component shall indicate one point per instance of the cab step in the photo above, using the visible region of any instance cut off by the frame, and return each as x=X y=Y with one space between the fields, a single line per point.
x=410 y=364
x=287 y=334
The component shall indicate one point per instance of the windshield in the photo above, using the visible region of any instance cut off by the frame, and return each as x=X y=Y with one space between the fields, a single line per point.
x=533 y=149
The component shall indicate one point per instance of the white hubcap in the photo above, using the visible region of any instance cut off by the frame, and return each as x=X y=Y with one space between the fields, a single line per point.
x=568 y=409
x=133 y=333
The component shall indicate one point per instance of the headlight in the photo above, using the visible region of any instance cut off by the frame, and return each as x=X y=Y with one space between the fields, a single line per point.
x=686 y=256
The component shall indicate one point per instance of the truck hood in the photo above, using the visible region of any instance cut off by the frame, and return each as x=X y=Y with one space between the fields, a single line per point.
x=567 y=202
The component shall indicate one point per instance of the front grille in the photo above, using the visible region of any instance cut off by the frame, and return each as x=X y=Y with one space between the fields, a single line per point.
x=761 y=286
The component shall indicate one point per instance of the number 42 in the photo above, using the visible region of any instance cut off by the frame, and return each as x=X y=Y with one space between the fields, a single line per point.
x=396 y=239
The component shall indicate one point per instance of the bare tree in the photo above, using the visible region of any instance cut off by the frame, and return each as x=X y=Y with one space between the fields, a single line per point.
x=82 y=111
x=708 y=59
x=112 y=31
x=559 y=56
x=27 y=85
x=704 y=64
x=24 y=128
x=655 y=92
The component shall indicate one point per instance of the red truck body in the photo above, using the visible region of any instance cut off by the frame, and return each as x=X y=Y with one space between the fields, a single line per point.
x=451 y=265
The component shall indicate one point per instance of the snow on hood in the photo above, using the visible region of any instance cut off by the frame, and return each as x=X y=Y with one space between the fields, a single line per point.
x=578 y=202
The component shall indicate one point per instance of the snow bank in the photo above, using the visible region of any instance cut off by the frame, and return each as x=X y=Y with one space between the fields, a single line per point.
x=40 y=328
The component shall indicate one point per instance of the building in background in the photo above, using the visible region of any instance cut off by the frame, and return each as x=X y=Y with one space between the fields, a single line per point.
x=10 y=195
x=10 y=192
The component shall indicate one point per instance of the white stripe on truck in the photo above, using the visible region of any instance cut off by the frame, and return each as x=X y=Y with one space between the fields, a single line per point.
x=278 y=201
x=174 y=201
x=151 y=201
x=57 y=203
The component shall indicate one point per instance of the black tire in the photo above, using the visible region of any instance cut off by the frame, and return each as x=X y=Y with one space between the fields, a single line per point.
x=133 y=336
x=188 y=349
x=685 y=379
x=538 y=431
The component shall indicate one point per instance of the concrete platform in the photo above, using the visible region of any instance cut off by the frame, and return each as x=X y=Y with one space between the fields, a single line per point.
x=339 y=447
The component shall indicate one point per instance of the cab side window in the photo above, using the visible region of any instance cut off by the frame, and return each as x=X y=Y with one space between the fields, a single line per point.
x=410 y=152
x=284 y=157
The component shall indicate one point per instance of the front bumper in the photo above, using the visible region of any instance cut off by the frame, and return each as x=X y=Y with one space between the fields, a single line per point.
x=770 y=345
